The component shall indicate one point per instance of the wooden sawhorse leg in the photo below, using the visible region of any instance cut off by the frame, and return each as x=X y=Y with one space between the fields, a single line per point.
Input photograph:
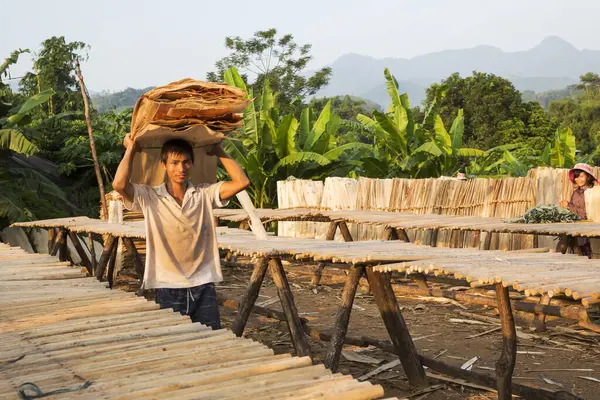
x=109 y=247
x=137 y=262
x=330 y=235
x=392 y=317
x=508 y=357
x=59 y=239
x=332 y=359
x=84 y=258
x=396 y=327
x=299 y=338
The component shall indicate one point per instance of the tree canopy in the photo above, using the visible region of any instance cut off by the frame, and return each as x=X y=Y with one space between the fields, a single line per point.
x=493 y=110
x=278 y=60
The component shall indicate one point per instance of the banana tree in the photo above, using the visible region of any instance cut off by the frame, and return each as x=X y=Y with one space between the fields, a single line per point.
x=404 y=147
x=273 y=147
x=25 y=192
x=560 y=153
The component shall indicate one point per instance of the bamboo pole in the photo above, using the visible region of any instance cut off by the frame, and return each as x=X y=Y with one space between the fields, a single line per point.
x=91 y=135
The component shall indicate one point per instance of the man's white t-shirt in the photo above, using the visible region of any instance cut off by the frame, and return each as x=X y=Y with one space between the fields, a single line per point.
x=181 y=242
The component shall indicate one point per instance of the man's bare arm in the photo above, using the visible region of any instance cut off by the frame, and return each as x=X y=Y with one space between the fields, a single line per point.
x=121 y=181
x=239 y=181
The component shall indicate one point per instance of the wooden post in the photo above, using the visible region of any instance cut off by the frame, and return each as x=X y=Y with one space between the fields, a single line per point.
x=137 y=262
x=51 y=236
x=402 y=235
x=109 y=246
x=345 y=231
x=62 y=246
x=289 y=308
x=57 y=241
x=245 y=225
x=487 y=244
x=331 y=229
x=434 y=236
x=92 y=251
x=390 y=234
x=247 y=302
x=539 y=320
x=318 y=272
x=421 y=280
x=332 y=359
x=91 y=136
x=396 y=327
x=84 y=258
x=111 y=264
x=508 y=357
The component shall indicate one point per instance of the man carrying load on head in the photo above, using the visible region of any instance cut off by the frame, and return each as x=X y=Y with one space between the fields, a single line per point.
x=182 y=257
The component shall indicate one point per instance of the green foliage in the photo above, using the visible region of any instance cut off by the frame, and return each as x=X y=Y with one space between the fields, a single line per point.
x=10 y=60
x=7 y=97
x=75 y=161
x=276 y=60
x=546 y=214
x=582 y=115
x=47 y=120
x=405 y=147
x=273 y=147
x=545 y=98
x=25 y=192
x=494 y=113
x=13 y=140
x=562 y=152
x=53 y=69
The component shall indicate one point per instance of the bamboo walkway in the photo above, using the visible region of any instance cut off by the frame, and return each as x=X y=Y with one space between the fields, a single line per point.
x=69 y=334
x=415 y=221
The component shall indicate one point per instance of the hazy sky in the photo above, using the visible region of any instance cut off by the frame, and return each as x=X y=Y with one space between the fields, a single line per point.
x=153 y=42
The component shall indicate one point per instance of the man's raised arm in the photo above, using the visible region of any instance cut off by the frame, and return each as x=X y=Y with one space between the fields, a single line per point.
x=239 y=181
x=121 y=181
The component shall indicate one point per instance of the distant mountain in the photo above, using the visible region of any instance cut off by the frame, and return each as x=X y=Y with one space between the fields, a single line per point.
x=104 y=101
x=552 y=64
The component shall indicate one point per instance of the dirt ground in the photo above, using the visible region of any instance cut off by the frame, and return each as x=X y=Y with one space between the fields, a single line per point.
x=547 y=360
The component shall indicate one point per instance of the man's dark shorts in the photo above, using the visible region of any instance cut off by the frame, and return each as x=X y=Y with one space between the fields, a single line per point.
x=199 y=302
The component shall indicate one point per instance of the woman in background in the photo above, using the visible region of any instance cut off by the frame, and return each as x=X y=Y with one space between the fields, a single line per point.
x=583 y=178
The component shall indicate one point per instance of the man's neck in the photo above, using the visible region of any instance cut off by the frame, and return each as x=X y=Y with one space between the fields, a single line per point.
x=177 y=190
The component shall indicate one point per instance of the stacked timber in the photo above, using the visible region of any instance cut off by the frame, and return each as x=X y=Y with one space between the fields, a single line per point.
x=303 y=193
x=339 y=194
x=67 y=333
x=373 y=194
